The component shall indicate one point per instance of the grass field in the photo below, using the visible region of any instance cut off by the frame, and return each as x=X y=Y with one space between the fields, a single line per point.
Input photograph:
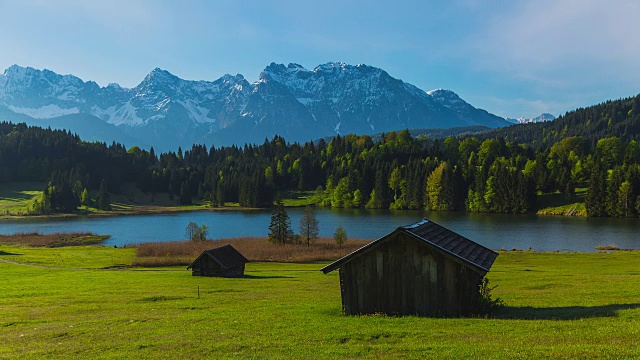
x=17 y=198
x=72 y=303
x=558 y=204
x=300 y=198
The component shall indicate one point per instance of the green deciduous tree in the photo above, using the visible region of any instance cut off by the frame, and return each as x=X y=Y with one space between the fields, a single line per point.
x=85 y=199
x=195 y=232
x=440 y=189
x=340 y=236
x=625 y=199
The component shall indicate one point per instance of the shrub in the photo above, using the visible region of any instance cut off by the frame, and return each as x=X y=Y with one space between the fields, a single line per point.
x=485 y=304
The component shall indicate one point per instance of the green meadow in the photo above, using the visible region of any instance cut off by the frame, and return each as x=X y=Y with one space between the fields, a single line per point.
x=18 y=198
x=84 y=302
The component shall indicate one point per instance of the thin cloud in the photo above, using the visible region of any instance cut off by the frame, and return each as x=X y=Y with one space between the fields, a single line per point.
x=541 y=36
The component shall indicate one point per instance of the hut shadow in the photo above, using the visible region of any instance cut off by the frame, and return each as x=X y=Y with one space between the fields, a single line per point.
x=562 y=313
x=264 y=277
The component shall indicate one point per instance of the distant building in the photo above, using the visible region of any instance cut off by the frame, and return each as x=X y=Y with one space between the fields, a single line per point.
x=420 y=269
x=223 y=261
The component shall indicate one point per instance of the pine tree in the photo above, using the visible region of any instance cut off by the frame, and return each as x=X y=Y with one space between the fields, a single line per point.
x=280 y=226
x=185 y=194
x=309 y=225
x=616 y=178
x=103 y=199
x=596 y=193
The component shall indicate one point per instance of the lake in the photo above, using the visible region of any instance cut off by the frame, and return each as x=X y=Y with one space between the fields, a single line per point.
x=496 y=231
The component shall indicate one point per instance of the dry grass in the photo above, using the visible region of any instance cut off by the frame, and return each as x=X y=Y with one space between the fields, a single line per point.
x=52 y=240
x=607 y=247
x=253 y=248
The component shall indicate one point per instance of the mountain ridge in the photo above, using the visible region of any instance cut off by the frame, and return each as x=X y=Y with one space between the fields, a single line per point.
x=288 y=100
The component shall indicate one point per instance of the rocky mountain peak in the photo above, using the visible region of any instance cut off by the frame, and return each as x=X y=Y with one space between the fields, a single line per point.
x=159 y=76
x=288 y=100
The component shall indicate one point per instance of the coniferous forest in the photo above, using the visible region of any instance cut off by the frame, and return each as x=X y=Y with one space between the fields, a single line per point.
x=503 y=170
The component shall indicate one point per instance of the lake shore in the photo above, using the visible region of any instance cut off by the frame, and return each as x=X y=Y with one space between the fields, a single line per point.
x=145 y=210
x=150 y=210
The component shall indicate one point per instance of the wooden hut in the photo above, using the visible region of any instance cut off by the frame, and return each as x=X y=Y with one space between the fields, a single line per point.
x=223 y=261
x=420 y=269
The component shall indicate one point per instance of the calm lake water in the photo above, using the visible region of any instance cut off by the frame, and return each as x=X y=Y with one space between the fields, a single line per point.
x=496 y=231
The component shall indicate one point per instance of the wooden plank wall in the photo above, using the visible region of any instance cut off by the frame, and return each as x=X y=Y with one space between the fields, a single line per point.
x=406 y=277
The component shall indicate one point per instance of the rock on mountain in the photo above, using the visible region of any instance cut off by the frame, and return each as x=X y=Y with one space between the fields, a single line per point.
x=541 y=118
x=166 y=111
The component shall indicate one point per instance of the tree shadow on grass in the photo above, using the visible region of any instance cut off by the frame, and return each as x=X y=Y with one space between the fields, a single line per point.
x=265 y=277
x=8 y=253
x=562 y=313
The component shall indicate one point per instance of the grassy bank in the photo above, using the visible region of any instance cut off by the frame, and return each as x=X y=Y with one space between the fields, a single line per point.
x=565 y=305
x=52 y=240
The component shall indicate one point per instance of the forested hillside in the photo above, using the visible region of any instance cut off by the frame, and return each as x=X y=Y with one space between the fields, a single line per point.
x=501 y=171
x=619 y=118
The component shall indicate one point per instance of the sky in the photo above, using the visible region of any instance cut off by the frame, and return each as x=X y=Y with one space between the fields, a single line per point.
x=511 y=58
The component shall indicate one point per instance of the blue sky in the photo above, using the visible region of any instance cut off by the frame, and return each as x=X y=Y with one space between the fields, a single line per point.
x=512 y=58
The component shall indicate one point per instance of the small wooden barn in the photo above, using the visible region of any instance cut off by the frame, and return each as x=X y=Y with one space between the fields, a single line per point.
x=420 y=269
x=223 y=261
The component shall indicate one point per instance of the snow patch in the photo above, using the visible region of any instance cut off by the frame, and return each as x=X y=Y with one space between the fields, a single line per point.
x=44 y=112
x=126 y=115
x=337 y=128
x=104 y=114
x=197 y=113
x=162 y=104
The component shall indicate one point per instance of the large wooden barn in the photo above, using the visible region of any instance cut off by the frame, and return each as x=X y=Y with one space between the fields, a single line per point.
x=420 y=269
x=223 y=261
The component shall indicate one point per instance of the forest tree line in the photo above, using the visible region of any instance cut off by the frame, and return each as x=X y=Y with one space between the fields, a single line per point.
x=500 y=171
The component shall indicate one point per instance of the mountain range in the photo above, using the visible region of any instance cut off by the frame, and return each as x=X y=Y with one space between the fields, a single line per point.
x=166 y=111
x=541 y=118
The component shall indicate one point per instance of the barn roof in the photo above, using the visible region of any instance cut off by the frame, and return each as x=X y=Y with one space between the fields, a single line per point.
x=437 y=236
x=227 y=256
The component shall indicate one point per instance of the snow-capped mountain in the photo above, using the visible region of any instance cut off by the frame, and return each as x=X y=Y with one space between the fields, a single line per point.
x=299 y=104
x=541 y=118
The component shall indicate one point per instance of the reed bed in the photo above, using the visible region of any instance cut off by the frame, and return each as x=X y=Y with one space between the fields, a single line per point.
x=52 y=240
x=607 y=247
x=253 y=248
